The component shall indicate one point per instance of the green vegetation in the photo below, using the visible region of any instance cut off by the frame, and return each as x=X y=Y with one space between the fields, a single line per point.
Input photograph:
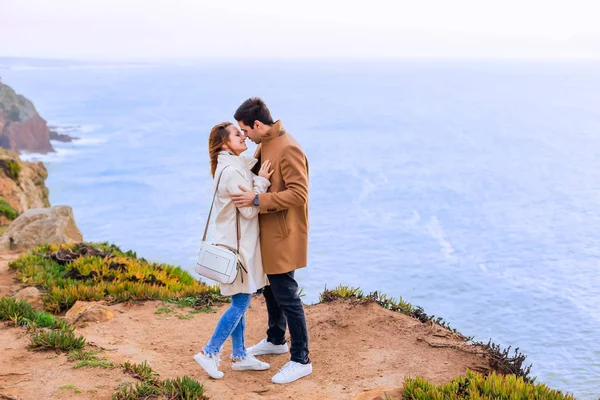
x=183 y=388
x=57 y=339
x=478 y=387
x=72 y=387
x=7 y=210
x=22 y=314
x=89 y=359
x=501 y=360
x=150 y=386
x=14 y=114
x=11 y=168
x=99 y=271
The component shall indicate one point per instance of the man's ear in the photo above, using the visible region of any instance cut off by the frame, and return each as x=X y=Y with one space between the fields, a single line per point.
x=257 y=124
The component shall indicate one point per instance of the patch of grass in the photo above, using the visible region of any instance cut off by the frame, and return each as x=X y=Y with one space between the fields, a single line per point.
x=184 y=388
x=136 y=391
x=22 y=314
x=7 y=210
x=59 y=339
x=11 y=168
x=72 y=387
x=141 y=371
x=500 y=359
x=89 y=359
x=99 y=271
x=164 y=310
x=477 y=386
x=150 y=386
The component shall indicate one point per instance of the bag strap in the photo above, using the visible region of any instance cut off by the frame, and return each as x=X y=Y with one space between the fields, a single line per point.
x=237 y=214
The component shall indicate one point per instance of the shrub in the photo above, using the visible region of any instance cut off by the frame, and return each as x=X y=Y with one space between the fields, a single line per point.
x=11 y=168
x=137 y=391
x=14 y=114
x=92 y=272
x=21 y=313
x=141 y=371
x=8 y=211
x=184 y=388
x=59 y=339
x=478 y=387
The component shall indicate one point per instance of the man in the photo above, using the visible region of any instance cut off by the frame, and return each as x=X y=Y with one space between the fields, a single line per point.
x=283 y=223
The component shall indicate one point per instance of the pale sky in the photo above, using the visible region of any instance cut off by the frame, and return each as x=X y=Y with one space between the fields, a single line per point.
x=194 y=29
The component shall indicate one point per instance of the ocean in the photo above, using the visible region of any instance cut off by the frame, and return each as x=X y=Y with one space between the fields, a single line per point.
x=471 y=189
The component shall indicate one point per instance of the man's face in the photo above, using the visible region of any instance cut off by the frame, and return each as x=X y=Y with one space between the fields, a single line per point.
x=250 y=132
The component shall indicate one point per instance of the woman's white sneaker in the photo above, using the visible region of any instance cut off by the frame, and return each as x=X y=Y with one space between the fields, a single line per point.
x=263 y=347
x=291 y=372
x=210 y=364
x=249 y=363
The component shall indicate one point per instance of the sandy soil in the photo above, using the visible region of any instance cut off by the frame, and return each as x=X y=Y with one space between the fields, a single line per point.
x=354 y=347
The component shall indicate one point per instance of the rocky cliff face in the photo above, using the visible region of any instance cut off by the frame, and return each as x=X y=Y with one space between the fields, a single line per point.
x=21 y=127
x=22 y=186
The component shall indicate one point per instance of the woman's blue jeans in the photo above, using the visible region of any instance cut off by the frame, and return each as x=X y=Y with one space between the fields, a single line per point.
x=232 y=323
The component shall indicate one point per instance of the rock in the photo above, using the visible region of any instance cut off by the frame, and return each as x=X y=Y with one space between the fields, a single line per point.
x=61 y=137
x=381 y=393
x=31 y=295
x=22 y=185
x=84 y=313
x=38 y=226
x=21 y=127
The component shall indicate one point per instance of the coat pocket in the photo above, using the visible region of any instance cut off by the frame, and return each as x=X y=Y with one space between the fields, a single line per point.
x=282 y=222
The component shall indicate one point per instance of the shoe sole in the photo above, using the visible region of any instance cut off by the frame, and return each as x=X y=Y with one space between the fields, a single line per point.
x=283 y=383
x=266 y=353
x=250 y=368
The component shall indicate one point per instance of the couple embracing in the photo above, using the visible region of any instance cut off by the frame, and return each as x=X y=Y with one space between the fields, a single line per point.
x=270 y=191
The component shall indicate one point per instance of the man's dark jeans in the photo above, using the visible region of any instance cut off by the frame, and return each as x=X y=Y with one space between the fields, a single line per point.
x=284 y=304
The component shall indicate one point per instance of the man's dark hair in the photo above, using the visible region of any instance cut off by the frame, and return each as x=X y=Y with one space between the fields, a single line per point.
x=253 y=109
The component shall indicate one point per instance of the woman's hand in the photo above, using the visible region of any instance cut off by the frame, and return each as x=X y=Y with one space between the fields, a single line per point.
x=265 y=170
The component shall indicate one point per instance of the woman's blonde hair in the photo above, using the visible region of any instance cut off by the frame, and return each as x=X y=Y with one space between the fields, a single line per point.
x=217 y=138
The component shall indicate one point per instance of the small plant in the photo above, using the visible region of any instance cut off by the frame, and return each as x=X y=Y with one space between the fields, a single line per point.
x=7 y=210
x=89 y=359
x=59 y=339
x=14 y=114
x=184 y=388
x=477 y=386
x=21 y=313
x=141 y=371
x=11 y=168
x=72 y=387
x=137 y=391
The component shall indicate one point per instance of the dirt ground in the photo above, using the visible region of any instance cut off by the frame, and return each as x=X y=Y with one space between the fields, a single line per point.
x=354 y=348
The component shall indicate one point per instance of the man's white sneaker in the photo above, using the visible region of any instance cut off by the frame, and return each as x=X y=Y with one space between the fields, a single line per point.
x=263 y=347
x=249 y=363
x=210 y=364
x=292 y=371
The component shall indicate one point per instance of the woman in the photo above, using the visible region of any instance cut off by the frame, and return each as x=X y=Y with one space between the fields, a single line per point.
x=225 y=144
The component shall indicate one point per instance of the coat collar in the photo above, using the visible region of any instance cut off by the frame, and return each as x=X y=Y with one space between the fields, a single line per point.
x=225 y=158
x=275 y=131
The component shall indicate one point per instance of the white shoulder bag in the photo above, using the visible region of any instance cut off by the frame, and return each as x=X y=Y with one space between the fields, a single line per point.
x=216 y=261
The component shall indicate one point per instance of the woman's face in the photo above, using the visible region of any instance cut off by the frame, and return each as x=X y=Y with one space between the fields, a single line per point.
x=236 y=142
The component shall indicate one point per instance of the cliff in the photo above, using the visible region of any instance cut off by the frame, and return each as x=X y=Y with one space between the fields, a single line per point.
x=21 y=127
x=22 y=186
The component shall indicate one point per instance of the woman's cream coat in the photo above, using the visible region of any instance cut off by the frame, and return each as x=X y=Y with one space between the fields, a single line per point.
x=238 y=173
